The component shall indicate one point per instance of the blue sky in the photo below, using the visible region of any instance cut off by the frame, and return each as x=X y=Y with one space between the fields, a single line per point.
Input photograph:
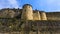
x=45 y=5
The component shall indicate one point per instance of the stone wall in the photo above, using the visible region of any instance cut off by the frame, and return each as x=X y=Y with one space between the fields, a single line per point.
x=53 y=15
x=7 y=13
x=35 y=27
x=28 y=14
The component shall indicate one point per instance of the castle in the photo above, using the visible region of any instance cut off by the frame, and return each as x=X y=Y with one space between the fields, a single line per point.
x=27 y=13
x=29 y=21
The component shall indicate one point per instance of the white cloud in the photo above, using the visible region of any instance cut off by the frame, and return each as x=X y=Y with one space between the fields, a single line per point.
x=9 y=4
x=13 y=3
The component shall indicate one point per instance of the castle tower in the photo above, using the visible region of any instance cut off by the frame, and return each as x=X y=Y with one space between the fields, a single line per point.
x=36 y=15
x=27 y=13
x=43 y=16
